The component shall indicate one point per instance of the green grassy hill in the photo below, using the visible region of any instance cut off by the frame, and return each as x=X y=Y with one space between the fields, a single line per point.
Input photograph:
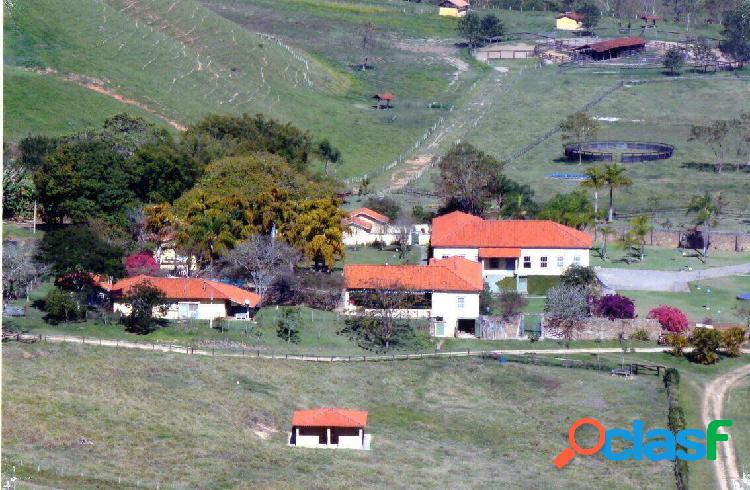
x=195 y=422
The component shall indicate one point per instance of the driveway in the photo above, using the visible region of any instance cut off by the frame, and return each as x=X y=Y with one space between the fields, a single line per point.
x=655 y=280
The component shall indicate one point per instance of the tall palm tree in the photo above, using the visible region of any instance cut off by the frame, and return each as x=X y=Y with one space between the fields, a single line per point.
x=606 y=231
x=707 y=209
x=614 y=177
x=640 y=226
x=594 y=180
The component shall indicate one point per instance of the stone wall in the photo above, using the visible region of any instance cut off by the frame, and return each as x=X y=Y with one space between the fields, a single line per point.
x=720 y=240
x=604 y=329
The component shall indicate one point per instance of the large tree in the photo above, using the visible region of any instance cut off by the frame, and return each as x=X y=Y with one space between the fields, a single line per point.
x=163 y=172
x=469 y=27
x=469 y=178
x=614 y=176
x=577 y=128
x=144 y=299
x=78 y=249
x=737 y=32
x=262 y=259
x=706 y=209
x=571 y=209
x=674 y=60
x=715 y=136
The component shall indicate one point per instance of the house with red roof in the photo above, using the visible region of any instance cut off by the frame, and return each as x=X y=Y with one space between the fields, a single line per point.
x=365 y=226
x=330 y=428
x=569 y=21
x=510 y=248
x=189 y=297
x=446 y=292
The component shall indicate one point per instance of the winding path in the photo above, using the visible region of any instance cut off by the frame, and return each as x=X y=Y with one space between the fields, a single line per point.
x=712 y=408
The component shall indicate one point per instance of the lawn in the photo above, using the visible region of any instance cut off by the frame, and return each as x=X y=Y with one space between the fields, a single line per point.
x=179 y=421
x=389 y=255
x=667 y=259
x=736 y=410
x=720 y=304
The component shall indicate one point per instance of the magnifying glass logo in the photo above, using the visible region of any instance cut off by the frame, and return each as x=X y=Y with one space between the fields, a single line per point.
x=568 y=453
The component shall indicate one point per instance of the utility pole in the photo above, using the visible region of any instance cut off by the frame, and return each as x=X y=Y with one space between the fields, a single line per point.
x=34 y=216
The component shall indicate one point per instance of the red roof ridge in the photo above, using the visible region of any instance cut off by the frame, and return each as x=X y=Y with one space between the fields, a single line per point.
x=189 y=288
x=329 y=417
x=370 y=213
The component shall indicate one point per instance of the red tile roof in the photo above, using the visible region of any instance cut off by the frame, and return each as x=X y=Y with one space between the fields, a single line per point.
x=369 y=213
x=450 y=274
x=384 y=96
x=329 y=417
x=499 y=253
x=359 y=222
x=623 y=42
x=572 y=15
x=179 y=288
x=461 y=230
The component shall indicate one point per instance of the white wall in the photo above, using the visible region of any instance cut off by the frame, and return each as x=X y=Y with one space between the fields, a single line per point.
x=552 y=269
x=446 y=306
x=206 y=310
x=467 y=253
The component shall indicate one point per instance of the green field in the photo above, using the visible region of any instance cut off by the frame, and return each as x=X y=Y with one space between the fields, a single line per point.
x=736 y=407
x=723 y=305
x=178 y=421
x=666 y=259
x=370 y=255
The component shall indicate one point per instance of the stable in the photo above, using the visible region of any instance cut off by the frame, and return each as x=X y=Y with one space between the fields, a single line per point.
x=330 y=428
x=517 y=51
x=613 y=48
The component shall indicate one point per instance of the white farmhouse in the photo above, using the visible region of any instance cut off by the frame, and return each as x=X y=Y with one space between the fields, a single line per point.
x=189 y=297
x=510 y=248
x=366 y=226
x=446 y=292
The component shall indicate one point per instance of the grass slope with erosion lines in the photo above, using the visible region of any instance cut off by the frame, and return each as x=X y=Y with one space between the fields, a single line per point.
x=184 y=61
x=37 y=103
x=198 y=422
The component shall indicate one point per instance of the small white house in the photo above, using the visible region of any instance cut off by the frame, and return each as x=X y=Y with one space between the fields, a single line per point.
x=510 y=248
x=330 y=428
x=446 y=292
x=365 y=226
x=189 y=298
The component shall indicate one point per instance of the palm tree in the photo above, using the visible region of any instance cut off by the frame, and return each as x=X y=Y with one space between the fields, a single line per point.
x=707 y=209
x=594 y=180
x=640 y=226
x=606 y=231
x=614 y=177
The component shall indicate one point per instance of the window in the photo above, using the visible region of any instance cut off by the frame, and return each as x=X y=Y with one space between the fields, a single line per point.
x=187 y=310
x=560 y=261
x=494 y=264
x=577 y=260
x=543 y=262
x=460 y=301
x=527 y=262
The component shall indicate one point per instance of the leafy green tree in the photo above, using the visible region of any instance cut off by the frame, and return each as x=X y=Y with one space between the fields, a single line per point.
x=640 y=227
x=60 y=306
x=34 y=149
x=515 y=201
x=469 y=27
x=677 y=341
x=674 y=60
x=578 y=128
x=143 y=299
x=590 y=14
x=384 y=205
x=80 y=181
x=732 y=340
x=469 y=178
x=578 y=275
x=594 y=180
x=329 y=154
x=572 y=209
x=491 y=27
x=614 y=177
x=163 y=172
x=289 y=325
x=737 y=32
x=75 y=249
x=18 y=189
x=706 y=209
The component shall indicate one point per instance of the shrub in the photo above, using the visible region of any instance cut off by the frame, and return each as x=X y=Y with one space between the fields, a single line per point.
x=384 y=205
x=507 y=284
x=61 y=305
x=143 y=299
x=706 y=343
x=670 y=318
x=539 y=285
x=640 y=334
x=615 y=306
x=677 y=341
x=578 y=275
x=289 y=325
x=566 y=310
x=512 y=303
x=732 y=340
x=141 y=263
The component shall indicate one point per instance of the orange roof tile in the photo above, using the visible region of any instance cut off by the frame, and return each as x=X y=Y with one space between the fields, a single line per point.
x=499 y=253
x=329 y=417
x=451 y=274
x=356 y=220
x=177 y=288
x=623 y=42
x=369 y=213
x=459 y=230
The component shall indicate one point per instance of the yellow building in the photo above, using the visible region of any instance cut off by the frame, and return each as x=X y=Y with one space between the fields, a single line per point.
x=454 y=8
x=570 y=21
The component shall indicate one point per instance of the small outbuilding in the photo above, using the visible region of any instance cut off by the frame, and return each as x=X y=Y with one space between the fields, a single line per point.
x=569 y=21
x=650 y=20
x=613 y=48
x=453 y=8
x=383 y=100
x=330 y=428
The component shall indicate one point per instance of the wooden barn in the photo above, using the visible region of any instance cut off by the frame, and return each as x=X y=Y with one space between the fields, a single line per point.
x=613 y=48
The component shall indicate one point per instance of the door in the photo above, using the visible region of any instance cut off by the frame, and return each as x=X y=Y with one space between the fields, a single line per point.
x=523 y=285
x=439 y=329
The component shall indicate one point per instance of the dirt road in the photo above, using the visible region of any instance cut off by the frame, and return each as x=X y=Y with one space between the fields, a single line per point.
x=727 y=472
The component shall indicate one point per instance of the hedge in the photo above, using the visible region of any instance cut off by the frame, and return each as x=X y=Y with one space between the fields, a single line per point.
x=539 y=285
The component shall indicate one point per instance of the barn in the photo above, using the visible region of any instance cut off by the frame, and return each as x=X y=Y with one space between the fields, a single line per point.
x=613 y=48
